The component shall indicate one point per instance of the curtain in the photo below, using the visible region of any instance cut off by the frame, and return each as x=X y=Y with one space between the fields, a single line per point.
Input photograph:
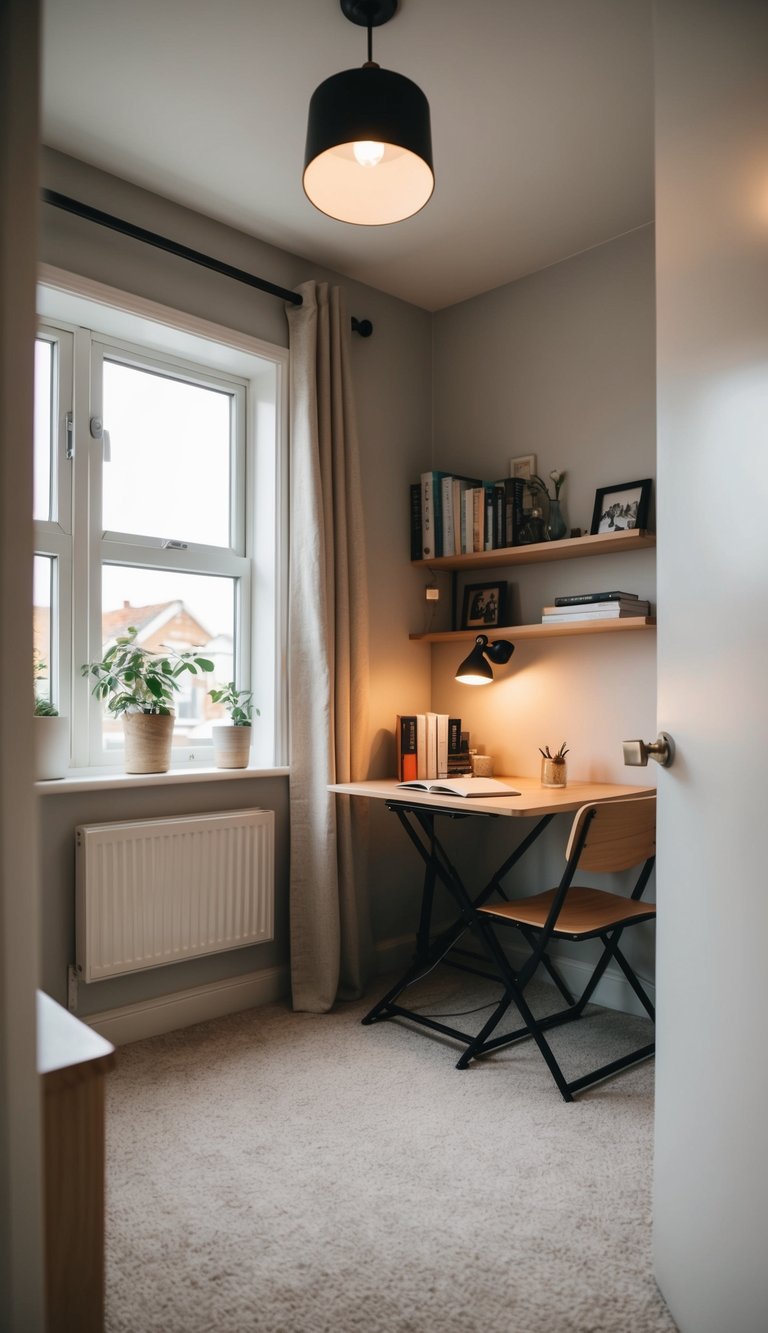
x=327 y=659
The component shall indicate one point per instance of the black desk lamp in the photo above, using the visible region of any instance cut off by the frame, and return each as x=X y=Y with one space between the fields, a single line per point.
x=475 y=670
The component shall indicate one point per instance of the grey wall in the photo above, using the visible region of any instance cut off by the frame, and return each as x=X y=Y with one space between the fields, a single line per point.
x=561 y=365
x=392 y=374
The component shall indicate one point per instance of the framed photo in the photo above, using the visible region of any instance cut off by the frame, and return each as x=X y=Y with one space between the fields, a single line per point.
x=618 y=508
x=522 y=467
x=485 y=605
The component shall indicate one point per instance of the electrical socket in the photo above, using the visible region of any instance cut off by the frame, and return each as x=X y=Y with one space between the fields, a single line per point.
x=432 y=593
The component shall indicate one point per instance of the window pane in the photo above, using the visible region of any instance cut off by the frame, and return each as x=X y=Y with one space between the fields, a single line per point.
x=173 y=610
x=169 y=474
x=44 y=352
x=41 y=625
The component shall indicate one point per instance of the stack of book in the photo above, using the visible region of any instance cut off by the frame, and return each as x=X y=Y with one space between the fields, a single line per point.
x=454 y=515
x=430 y=745
x=594 y=606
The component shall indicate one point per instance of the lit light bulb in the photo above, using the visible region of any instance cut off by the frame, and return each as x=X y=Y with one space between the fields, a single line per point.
x=367 y=153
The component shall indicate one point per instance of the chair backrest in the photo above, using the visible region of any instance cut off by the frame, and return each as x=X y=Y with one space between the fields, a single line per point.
x=619 y=834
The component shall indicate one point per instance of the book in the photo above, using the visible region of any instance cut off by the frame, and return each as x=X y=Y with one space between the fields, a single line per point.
x=514 y=513
x=431 y=772
x=633 y=608
x=448 y=525
x=405 y=738
x=588 y=613
x=577 y=598
x=416 y=542
x=431 y=514
x=421 y=745
x=466 y=787
x=442 y=745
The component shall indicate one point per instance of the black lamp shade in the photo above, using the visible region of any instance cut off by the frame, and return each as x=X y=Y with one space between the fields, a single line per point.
x=377 y=106
x=475 y=669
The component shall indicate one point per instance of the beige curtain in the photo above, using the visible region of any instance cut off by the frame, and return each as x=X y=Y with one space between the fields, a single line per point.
x=327 y=659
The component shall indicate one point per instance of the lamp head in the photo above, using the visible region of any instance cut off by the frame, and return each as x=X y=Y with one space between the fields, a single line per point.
x=475 y=669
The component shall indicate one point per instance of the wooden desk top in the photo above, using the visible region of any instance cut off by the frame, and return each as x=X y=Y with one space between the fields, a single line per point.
x=534 y=800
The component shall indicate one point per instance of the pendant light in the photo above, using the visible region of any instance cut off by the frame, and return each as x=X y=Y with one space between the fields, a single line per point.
x=368 y=157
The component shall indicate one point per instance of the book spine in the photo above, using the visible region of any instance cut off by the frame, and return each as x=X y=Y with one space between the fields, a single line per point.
x=488 y=506
x=514 y=514
x=431 y=745
x=454 y=736
x=421 y=745
x=466 y=526
x=416 y=542
x=406 y=747
x=578 y=598
x=478 y=519
x=446 y=509
x=442 y=745
x=431 y=523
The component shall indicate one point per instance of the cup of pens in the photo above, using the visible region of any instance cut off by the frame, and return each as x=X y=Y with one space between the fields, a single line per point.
x=554 y=770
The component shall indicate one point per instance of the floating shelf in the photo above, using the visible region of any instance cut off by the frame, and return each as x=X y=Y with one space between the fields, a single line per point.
x=570 y=548
x=558 y=630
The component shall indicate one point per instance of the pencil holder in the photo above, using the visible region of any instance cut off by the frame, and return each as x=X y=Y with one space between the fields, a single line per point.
x=554 y=773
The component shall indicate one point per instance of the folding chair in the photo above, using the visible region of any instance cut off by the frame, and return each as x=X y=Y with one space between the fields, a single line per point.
x=606 y=837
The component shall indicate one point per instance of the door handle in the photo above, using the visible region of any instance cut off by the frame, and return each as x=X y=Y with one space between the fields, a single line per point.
x=637 y=753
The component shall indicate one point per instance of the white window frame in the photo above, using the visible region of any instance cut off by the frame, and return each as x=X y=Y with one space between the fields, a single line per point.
x=257 y=372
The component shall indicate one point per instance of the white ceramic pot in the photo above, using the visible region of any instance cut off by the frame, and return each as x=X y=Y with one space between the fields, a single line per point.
x=231 y=745
x=148 y=742
x=51 y=742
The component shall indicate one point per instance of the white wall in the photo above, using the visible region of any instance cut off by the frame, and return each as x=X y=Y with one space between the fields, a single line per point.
x=711 y=1187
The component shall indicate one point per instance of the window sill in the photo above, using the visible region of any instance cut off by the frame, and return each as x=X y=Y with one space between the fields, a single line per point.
x=114 y=779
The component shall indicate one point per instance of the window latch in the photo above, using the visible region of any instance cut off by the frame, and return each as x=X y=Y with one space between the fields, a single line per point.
x=69 y=427
x=169 y=545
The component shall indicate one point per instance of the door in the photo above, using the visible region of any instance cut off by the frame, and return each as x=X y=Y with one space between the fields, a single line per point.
x=711 y=1192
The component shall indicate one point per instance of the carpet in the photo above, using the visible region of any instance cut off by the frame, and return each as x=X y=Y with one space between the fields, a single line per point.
x=295 y=1173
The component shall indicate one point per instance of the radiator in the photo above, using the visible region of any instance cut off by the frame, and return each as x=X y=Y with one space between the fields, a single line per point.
x=156 y=891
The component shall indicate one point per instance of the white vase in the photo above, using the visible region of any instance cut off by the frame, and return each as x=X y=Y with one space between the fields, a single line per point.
x=51 y=742
x=231 y=745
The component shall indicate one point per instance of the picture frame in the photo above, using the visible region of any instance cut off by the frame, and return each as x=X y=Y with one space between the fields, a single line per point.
x=484 y=606
x=525 y=466
x=621 y=507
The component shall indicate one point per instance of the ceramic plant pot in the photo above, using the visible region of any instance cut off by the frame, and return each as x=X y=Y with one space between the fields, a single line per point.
x=231 y=746
x=148 y=741
x=51 y=741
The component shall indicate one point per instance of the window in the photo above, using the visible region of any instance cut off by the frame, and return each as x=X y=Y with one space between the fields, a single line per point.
x=158 y=494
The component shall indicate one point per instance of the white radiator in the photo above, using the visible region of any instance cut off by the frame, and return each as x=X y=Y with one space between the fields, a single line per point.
x=156 y=891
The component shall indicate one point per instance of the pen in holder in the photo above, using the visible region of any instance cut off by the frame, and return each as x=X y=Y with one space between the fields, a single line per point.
x=554 y=770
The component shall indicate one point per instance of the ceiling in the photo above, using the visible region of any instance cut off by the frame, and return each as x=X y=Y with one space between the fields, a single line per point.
x=542 y=123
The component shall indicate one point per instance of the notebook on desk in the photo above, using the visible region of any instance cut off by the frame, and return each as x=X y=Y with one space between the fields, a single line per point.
x=465 y=787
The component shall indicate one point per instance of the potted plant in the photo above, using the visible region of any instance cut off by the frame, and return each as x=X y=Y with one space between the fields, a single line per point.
x=232 y=740
x=141 y=686
x=51 y=733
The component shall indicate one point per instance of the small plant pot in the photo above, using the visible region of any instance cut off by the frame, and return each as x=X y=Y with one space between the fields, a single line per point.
x=148 y=742
x=51 y=742
x=231 y=746
x=554 y=774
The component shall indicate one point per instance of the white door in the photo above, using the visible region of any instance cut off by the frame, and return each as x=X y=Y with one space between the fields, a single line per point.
x=711 y=1185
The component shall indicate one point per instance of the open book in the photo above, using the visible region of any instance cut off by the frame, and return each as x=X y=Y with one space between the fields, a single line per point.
x=461 y=786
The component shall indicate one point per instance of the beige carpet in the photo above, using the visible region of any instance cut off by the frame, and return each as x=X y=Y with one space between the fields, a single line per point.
x=299 y=1174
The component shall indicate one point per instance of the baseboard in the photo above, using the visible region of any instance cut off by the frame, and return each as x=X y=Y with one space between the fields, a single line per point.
x=166 y=1013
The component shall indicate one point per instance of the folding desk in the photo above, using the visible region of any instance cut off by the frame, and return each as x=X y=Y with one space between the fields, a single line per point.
x=419 y=813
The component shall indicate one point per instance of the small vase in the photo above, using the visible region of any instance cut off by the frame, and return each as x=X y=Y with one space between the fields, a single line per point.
x=556 y=528
x=554 y=774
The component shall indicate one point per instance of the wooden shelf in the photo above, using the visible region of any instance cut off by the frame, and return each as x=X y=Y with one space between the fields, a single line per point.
x=559 y=629
x=570 y=548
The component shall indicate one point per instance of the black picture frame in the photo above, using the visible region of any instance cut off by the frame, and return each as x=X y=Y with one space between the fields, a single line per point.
x=622 y=507
x=484 y=606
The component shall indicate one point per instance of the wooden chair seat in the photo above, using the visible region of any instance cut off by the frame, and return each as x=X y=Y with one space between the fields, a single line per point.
x=584 y=912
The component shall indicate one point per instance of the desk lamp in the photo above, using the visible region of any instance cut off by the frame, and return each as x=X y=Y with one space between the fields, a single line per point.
x=475 y=670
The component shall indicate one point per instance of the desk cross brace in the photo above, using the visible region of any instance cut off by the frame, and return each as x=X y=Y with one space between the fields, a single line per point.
x=419 y=824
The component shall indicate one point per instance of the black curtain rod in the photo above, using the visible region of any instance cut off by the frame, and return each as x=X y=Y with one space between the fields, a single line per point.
x=362 y=326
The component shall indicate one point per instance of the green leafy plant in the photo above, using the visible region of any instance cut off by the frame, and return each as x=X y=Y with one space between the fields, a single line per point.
x=558 y=757
x=238 y=703
x=43 y=706
x=136 y=680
